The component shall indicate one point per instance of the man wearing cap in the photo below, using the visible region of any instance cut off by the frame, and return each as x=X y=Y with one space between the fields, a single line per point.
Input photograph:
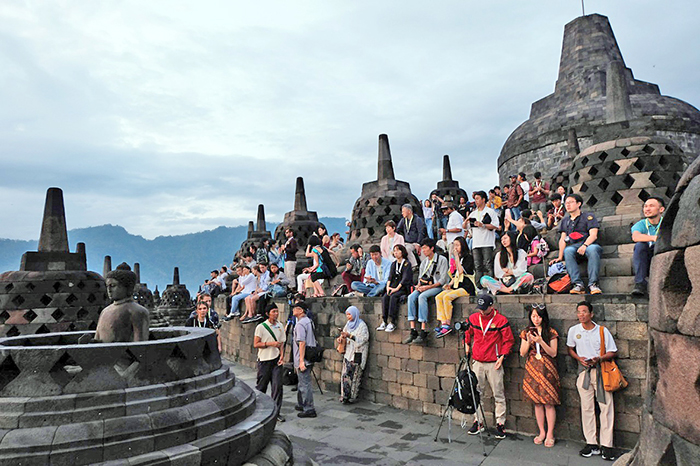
x=269 y=340
x=303 y=338
x=412 y=228
x=489 y=339
x=453 y=229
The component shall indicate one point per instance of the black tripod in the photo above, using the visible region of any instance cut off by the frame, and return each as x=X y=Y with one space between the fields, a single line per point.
x=449 y=407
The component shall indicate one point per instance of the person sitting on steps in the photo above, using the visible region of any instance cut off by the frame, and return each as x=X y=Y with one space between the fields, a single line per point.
x=644 y=236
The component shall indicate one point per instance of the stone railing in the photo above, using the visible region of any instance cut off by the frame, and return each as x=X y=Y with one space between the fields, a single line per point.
x=419 y=378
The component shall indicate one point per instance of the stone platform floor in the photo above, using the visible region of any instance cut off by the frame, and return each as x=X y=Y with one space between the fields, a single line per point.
x=367 y=433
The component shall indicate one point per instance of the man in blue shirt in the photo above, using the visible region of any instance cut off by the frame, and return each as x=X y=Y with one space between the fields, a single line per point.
x=579 y=233
x=376 y=274
x=644 y=235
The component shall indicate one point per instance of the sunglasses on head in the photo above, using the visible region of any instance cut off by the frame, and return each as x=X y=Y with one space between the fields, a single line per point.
x=539 y=306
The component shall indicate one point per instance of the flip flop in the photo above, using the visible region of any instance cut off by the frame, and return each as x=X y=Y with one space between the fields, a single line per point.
x=538 y=440
x=549 y=443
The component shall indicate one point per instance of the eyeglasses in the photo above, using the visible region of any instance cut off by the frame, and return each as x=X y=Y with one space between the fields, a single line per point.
x=539 y=306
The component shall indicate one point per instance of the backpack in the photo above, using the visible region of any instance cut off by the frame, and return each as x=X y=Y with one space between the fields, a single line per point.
x=559 y=283
x=328 y=265
x=461 y=399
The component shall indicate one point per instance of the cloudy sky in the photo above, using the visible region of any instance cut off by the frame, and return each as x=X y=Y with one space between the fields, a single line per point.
x=173 y=117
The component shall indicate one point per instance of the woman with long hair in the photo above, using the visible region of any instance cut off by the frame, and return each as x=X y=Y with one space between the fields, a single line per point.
x=541 y=381
x=398 y=285
x=428 y=216
x=510 y=268
x=355 y=338
x=315 y=272
x=461 y=284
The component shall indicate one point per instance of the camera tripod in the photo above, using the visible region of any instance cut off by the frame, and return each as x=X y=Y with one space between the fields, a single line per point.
x=448 y=408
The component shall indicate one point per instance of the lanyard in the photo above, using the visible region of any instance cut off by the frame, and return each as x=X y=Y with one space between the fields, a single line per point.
x=483 y=331
x=399 y=266
x=408 y=225
x=648 y=224
x=200 y=324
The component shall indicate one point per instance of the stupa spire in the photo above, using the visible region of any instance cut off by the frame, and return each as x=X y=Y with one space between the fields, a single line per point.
x=446 y=168
x=385 y=169
x=261 y=218
x=176 y=276
x=54 y=235
x=107 y=266
x=300 y=196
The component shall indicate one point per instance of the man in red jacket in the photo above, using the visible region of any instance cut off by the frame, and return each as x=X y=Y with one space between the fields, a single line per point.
x=490 y=339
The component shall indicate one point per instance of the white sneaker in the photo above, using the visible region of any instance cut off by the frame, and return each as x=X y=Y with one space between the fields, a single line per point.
x=390 y=328
x=381 y=327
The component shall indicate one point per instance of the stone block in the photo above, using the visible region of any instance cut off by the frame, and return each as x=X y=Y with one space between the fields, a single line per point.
x=420 y=380
x=632 y=331
x=627 y=422
x=394 y=363
x=426 y=368
x=521 y=408
x=445 y=370
x=404 y=378
x=416 y=352
x=410 y=365
x=399 y=402
x=433 y=382
x=401 y=351
x=633 y=368
x=620 y=312
x=410 y=392
x=432 y=409
x=387 y=349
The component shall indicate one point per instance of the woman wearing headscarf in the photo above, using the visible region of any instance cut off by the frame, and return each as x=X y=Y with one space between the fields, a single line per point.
x=355 y=337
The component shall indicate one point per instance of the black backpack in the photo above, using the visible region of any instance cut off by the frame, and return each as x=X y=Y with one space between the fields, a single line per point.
x=328 y=265
x=461 y=399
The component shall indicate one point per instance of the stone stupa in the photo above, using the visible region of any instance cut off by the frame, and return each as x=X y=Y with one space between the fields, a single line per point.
x=258 y=234
x=175 y=302
x=53 y=291
x=448 y=189
x=380 y=201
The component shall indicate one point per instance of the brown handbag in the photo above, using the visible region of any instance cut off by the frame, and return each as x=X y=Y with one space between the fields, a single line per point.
x=340 y=344
x=613 y=380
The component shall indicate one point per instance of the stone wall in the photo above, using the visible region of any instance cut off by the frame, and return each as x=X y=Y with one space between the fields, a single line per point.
x=419 y=377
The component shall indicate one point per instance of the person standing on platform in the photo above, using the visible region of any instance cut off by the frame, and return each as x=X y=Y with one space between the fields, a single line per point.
x=269 y=340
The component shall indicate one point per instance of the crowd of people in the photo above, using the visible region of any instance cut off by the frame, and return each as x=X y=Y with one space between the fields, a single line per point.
x=491 y=245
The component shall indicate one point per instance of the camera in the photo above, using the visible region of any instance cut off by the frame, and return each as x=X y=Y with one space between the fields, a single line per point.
x=461 y=326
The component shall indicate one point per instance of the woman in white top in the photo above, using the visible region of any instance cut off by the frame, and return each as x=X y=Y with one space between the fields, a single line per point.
x=428 y=216
x=510 y=268
x=355 y=337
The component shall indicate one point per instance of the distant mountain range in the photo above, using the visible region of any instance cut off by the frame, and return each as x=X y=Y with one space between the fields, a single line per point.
x=196 y=254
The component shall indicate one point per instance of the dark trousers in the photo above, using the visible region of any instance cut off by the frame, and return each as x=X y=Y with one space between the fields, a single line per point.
x=390 y=305
x=642 y=261
x=270 y=372
x=483 y=263
x=348 y=278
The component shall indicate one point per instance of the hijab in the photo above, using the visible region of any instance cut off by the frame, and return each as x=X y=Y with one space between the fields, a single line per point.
x=355 y=322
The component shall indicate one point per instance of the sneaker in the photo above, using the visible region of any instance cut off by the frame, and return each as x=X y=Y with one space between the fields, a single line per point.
x=608 y=454
x=390 y=328
x=247 y=320
x=444 y=331
x=257 y=318
x=477 y=428
x=578 y=289
x=589 y=450
x=307 y=414
x=281 y=418
x=382 y=327
x=594 y=289
x=421 y=338
x=500 y=431
x=412 y=336
x=639 y=289
x=228 y=317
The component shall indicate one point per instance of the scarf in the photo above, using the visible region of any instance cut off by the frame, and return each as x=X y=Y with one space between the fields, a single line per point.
x=355 y=322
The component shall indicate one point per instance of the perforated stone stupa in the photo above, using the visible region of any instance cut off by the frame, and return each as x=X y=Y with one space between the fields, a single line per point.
x=258 y=234
x=52 y=291
x=598 y=97
x=381 y=200
x=175 y=303
x=448 y=188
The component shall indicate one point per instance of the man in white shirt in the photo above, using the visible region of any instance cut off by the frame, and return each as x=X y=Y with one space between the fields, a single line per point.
x=483 y=223
x=526 y=188
x=376 y=274
x=584 y=345
x=454 y=228
x=269 y=340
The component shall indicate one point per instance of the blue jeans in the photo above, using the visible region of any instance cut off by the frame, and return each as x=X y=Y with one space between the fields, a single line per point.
x=593 y=253
x=370 y=289
x=429 y=226
x=236 y=300
x=278 y=291
x=515 y=213
x=642 y=261
x=420 y=301
x=305 y=391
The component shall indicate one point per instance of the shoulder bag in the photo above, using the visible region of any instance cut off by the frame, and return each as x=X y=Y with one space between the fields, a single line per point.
x=613 y=379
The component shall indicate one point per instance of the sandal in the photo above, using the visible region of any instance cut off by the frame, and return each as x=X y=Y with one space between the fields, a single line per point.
x=538 y=440
x=549 y=443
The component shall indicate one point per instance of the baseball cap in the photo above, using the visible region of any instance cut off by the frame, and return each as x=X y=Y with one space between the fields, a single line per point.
x=484 y=301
